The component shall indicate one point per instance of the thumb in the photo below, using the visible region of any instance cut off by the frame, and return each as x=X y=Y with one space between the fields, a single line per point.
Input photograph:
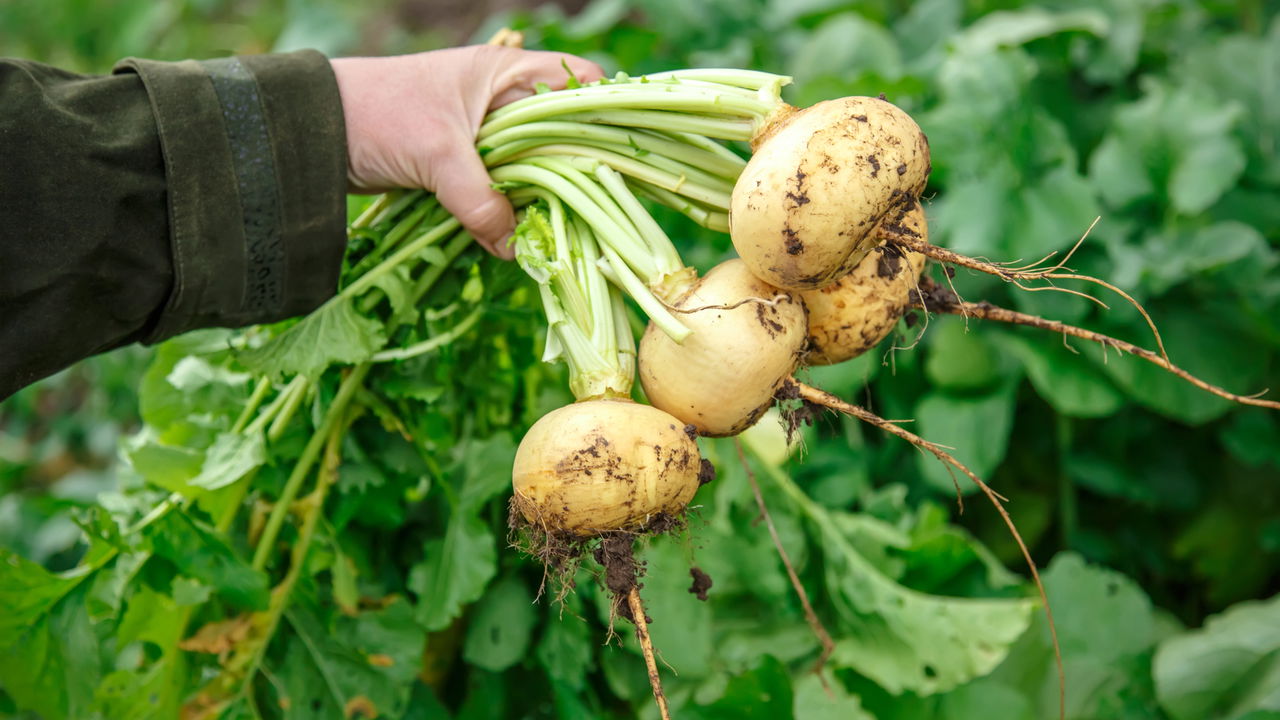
x=463 y=188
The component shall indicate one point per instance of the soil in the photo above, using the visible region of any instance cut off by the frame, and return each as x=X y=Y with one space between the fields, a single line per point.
x=706 y=472
x=616 y=555
x=794 y=417
x=931 y=295
x=889 y=263
x=701 y=583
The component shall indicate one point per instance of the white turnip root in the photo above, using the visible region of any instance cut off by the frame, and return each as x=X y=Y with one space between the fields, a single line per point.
x=805 y=209
x=853 y=314
x=747 y=339
x=604 y=465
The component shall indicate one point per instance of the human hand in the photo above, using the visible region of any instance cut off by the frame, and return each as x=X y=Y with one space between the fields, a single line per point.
x=412 y=122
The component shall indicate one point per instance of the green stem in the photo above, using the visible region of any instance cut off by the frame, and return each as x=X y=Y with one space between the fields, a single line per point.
x=659 y=244
x=296 y=391
x=300 y=469
x=749 y=79
x=682 y=98
x=707 y=218
x=379 y=204
x=644 y=297
x=428 y=211
x=451 y=252
x=272 y=409
x=561 y=255
x=607 y=230
x=710 y=156
x=364 y=282
x=681 y=181
x=401 y=199
x=251 y=406
x=433 y=343
x=711 y=127
x=331 y=440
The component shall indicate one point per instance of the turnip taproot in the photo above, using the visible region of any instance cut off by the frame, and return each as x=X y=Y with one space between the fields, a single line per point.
x=853 y=314
x=604 y=465
x=806 y=207
x=747 y=339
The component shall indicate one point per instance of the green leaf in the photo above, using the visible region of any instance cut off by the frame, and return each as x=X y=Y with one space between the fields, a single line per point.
x=359 y=667
x=169 y=467
x=335 y=334
x=977 y=428
x=1017 y=27
x=486 y=470
x=1204 y=172
x=845 y=44
x=202 y=554
x=1228 y=668
x=566 y=647
x=1203 y=344
x=188 y=591
x=969 y=218
x=153 y=688
x=907 y=640
x=231 y=457
x=1222 y=243
x=1106 y=627
x=927 y=25
x=961 y=358
x=398 y=286
x=1253 y=436
x=814 y=701
x=106 y=596
x=944 y=559
x=682 y=624
x=48 y=649
x=910 y=641
x=1099 y=612
x=500 y=627
x=454 y=572
x=1051 y=214
x=763 y=692
x=974 y=702
x=1118 y=171
x=205 y=390
x=1067 y=380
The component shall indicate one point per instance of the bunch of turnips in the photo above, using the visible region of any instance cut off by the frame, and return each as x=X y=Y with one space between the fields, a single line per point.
x=823 y=206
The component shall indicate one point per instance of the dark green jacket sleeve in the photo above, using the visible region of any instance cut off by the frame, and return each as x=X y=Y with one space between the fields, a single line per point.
x=163 y=198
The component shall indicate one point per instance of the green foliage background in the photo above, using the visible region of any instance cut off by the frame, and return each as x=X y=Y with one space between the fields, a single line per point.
x=1154 y=507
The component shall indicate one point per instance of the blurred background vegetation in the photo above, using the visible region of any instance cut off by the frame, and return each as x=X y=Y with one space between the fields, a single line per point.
x=1162 y=117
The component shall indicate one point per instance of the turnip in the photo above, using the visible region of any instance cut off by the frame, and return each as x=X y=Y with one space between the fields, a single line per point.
x=747 y=339
x=853 y=314
x=820 y=180
x=604 y=465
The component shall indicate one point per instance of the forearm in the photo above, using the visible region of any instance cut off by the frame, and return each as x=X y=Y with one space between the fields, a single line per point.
x=166 y=197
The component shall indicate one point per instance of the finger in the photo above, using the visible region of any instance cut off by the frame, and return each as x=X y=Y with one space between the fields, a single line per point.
x=520 y=74
x=463 y=188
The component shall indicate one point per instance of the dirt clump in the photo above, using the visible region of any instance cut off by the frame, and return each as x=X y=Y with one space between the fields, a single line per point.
x=701 y=583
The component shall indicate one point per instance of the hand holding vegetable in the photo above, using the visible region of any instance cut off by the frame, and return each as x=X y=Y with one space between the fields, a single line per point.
x=412 y=121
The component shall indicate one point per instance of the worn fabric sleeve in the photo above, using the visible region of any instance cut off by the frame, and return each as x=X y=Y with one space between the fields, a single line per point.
x=163 y=198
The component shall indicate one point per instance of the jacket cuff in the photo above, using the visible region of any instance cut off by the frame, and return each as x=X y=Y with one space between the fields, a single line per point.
x=256 y=171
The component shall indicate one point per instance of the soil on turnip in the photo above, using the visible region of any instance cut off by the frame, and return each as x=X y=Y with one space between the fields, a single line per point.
x=706 y=472
x=889 y=264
